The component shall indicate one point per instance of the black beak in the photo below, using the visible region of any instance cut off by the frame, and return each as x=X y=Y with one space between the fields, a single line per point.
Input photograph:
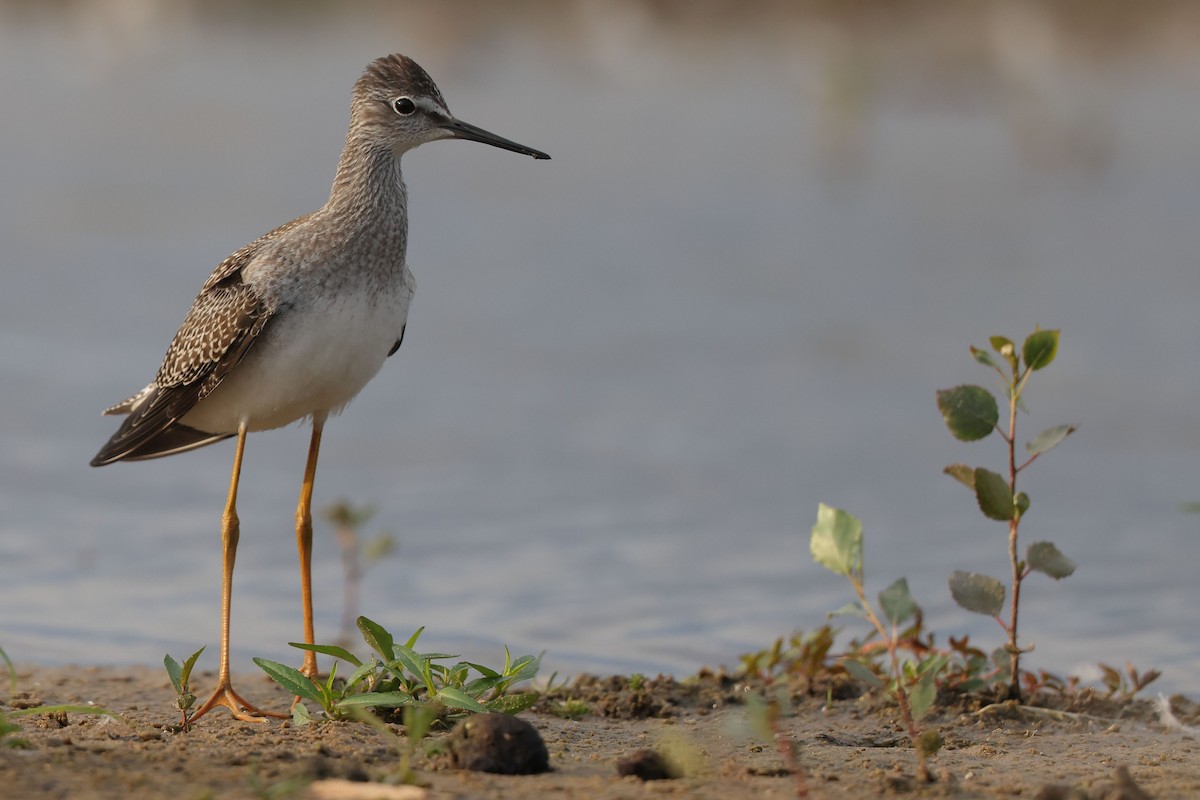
x=463 y=130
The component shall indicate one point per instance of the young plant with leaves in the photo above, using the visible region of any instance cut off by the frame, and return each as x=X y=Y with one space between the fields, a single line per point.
x=403 y=677
x=181 y=676
x=972 y=413
x=836 y=544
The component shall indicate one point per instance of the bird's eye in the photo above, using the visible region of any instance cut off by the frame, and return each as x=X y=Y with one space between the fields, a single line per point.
x=404 y=106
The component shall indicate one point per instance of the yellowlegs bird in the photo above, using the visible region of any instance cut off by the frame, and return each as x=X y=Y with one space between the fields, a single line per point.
x=295 y=324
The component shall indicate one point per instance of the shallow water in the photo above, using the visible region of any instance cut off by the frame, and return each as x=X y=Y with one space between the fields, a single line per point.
x=632 y=372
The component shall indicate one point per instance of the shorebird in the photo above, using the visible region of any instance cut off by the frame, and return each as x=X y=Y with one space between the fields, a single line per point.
x=293 y=325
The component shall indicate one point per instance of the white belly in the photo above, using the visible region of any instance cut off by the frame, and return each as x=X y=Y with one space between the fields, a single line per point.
x=306 y=362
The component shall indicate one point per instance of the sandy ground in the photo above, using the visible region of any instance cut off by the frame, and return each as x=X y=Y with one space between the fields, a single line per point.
x=848 y=750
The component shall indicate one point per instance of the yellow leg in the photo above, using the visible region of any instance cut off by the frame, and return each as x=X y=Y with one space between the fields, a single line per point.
x=304 y=535
x=224 y=695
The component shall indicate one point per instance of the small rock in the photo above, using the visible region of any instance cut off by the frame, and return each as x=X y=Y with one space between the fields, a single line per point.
x=647 y=765
x=498 y=743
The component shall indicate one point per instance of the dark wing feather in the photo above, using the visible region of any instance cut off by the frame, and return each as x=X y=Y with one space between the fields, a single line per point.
x=220 y=327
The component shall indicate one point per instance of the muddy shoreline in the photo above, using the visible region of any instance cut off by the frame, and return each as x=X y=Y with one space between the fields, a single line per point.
x=848 y=748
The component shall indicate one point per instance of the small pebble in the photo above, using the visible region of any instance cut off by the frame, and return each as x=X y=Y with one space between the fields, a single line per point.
x=647 y=765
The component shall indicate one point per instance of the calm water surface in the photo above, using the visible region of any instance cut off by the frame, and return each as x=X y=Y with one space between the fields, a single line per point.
x=632 y=372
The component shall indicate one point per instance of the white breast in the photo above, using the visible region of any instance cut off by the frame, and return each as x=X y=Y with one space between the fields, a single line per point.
x=308 y=361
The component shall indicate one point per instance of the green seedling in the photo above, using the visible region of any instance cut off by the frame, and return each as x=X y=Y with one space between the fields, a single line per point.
x=763 y=713
x=180 y=676
x=803 y=654
x=971 y=413
x=836 y=544
x=357 y=555
x=8 y=734
x=417 y=721
x=571 y=708
x=12 y=670
x=1126 y=684
x=403 y=677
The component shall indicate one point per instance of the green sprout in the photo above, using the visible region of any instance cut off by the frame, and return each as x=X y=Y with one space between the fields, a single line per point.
x=971 y=413
x=837 y=545
x=180 y=676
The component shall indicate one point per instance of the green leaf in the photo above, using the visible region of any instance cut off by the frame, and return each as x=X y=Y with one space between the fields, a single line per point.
x=897 y=603
x=1021 y=501
x=12 y=673
x=485 y=671
x=377 y=638
x=359 y=674
x=300 y=715
x=961 y=473
x=970 y=412
x=922 y=695
x=993 y=495
x=456 y=698
x=525 y=667
x=984 y=357
x=836 y=542
x=1040 y=348
x=514 y=703
x=851 y=609
x=377 y=699
x=292 y=680
x=329 y=650
x=174 y=672
x=189 y=665
x=861 y=672
x=178 y=674
x=417 y=720
x=1049 y=439
x=979 y=593
x=412 y=640
x=1046 y=558
x=408 y=659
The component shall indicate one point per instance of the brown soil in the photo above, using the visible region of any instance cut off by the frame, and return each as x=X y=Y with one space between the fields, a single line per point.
x=849 y=749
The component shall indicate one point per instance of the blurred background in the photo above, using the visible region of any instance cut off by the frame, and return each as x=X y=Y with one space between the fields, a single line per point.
x=768 y=234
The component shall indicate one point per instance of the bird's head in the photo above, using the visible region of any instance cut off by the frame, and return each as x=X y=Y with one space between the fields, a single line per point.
x=398 y=106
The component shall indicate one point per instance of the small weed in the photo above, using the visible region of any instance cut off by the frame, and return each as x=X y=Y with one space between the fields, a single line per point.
x=763 y=714
x=347 y=521
x=403 y=677
x=571 y=709
x=971 y=413
x=180 y=677
x=803 y=654
x=636 y=682
x=837 y=545
x=1126 y=684
x=417 y=720
x=12 y=671
x=8 y=737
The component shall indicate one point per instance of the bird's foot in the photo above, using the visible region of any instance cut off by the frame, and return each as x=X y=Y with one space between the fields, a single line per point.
x=237 y=705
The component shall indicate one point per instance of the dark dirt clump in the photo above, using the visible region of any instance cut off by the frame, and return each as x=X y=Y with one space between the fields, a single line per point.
x=497 y=743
